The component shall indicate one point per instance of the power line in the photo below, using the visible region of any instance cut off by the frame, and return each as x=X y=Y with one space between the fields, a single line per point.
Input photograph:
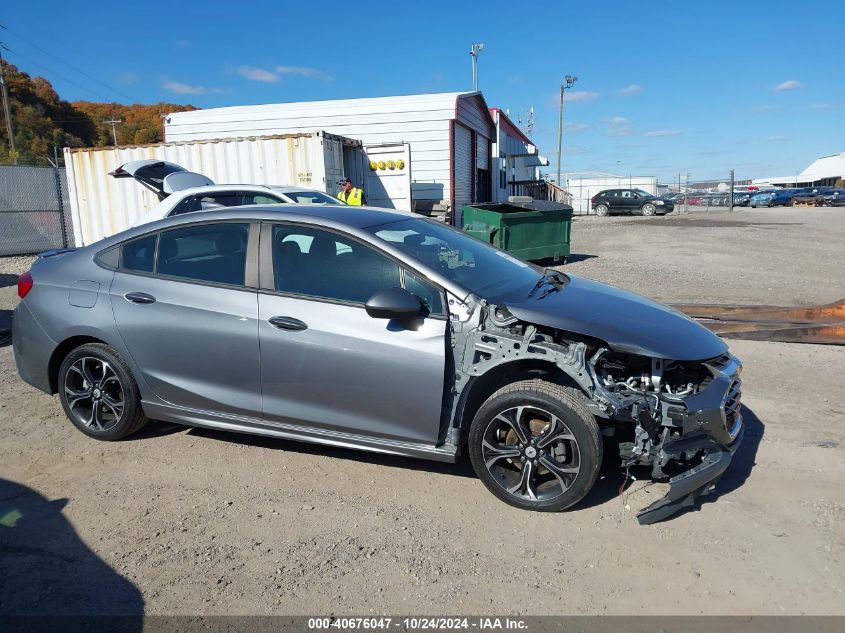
x=72 y=67
x=62 y=77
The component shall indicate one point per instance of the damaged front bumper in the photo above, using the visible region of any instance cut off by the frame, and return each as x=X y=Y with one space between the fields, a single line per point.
x=701 y=480
x=713 y=429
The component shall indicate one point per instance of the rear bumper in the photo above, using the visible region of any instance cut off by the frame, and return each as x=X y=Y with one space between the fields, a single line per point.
x=32 y=348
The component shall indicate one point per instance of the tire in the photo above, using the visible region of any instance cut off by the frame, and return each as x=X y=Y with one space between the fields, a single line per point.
x=554 y=424
x=648 y=209
x=602 y=210
x=98 y=393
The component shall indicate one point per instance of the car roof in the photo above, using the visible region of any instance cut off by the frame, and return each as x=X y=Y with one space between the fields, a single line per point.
x=337 y=216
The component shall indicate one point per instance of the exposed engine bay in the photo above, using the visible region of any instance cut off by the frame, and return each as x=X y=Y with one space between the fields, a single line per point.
x=680 y=418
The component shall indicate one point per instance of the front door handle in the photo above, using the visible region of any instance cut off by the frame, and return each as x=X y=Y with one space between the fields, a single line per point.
x=139 y=297
x=287 y=323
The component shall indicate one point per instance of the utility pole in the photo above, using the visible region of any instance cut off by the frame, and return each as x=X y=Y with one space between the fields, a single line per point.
x=13 y=153
x=570 y=81
x=113 y=122
x=474 y=50
x=731 y=196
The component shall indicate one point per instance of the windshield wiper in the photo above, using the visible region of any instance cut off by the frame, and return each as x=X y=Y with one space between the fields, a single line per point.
x=554 y=278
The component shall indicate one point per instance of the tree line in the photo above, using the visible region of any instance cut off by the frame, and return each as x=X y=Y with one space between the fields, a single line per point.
x=43 y=123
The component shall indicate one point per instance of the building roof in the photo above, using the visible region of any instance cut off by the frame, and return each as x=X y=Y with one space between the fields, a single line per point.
x=508 y=125
x=832 y=166
x=329 y=107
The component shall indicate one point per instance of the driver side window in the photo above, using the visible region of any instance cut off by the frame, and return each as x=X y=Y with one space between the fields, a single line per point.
x=325 y=265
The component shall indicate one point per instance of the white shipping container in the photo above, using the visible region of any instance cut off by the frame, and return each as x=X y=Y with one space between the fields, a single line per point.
x=102 y=205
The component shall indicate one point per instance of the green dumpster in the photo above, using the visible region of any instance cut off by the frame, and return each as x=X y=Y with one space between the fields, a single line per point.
x=530 y=230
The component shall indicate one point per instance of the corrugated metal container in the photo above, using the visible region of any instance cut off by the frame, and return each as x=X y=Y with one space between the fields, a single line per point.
x=422 y=121
x=102 y=205
x=583 y=189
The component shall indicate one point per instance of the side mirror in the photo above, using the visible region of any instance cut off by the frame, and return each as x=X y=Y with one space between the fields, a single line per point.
x=394 y=303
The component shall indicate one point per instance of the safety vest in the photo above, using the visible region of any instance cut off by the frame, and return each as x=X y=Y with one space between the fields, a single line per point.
x=353 y=199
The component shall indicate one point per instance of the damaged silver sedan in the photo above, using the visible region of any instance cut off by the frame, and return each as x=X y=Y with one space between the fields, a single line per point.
x=381 y=331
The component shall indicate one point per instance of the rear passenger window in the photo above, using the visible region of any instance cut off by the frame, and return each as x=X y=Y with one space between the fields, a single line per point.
x=138 y=255
x=209 y=252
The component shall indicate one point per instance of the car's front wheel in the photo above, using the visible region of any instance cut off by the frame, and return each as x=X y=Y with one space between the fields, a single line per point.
x=536 y=446
x=648 y=209
x=601 y=210
x=99 y=394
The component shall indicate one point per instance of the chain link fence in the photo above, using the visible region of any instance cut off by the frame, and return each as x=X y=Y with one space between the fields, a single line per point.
x=34 y=210
x=687 y=196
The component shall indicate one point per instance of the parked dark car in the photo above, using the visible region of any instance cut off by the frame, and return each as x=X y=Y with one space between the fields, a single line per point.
x=785 y=197
x=383 y=331
x=742 y=198
x=612 y=201
x=834 y=198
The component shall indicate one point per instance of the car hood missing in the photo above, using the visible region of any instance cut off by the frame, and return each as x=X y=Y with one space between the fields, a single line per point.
x=625 y=320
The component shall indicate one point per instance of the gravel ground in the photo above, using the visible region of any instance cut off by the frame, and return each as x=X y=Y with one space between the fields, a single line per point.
x=198 y=522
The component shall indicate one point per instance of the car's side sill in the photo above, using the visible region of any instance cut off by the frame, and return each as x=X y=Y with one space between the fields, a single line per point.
x=243 y=424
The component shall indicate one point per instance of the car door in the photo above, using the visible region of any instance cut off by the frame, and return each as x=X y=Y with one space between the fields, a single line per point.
x=611 y=199
x=186 y=306
x=627 y=200
x=325 y=363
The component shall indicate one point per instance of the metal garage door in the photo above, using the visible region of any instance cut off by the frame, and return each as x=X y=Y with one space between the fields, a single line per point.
x=482 y=152
x=462 y=161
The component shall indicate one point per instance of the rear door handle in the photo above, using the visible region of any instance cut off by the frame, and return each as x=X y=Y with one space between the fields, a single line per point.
x=287 y=323
x=139 y=297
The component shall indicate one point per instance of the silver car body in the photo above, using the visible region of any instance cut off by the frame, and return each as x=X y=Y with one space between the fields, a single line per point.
x=210 y=354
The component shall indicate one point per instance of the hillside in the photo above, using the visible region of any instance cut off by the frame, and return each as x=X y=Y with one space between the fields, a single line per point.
x=43 y=121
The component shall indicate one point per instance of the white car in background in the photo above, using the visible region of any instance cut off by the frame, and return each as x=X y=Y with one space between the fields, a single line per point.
x=181 y=191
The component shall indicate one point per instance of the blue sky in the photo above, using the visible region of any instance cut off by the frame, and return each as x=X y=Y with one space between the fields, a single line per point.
x=663 y=88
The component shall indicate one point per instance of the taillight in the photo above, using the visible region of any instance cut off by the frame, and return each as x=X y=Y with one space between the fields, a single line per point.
x=24 y=284
x=593 y=199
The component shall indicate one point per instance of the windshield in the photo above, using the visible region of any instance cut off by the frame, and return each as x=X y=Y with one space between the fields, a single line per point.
x=477 y=266
x=641 y=192
x=311 y=197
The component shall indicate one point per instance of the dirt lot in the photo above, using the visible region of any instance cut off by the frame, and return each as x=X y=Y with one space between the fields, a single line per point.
x=197 y=522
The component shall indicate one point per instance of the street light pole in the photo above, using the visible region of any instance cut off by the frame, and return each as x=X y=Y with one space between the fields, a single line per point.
x=570 y=81
x=474 y=50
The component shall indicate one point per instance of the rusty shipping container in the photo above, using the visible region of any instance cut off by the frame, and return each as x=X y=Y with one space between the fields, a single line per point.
x=102 y=205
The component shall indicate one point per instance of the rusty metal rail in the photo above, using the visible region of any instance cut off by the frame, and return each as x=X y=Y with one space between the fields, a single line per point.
x=824 y=324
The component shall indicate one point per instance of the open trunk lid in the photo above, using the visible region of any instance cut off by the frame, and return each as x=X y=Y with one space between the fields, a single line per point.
x=160 y=176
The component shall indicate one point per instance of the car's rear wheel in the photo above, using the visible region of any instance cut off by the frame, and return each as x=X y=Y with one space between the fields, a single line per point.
x=648 y=209
x=536 y=446
x=99 y=394
x=601 y=209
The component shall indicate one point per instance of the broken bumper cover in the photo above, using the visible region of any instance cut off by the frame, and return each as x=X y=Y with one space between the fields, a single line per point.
x=700 y=480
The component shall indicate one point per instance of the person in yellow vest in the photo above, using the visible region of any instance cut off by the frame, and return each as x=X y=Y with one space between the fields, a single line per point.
x=351 y=195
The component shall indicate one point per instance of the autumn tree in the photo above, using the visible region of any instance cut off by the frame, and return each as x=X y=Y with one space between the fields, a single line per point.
x=44 y=124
